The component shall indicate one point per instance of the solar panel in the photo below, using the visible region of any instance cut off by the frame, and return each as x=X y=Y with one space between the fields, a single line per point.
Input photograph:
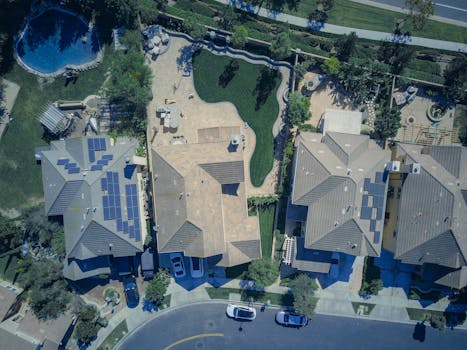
x=106 y=213
x=104 y=184
x=372 y=225
x=366 y=184
x=96 y=167
x=102 y=161
x=364 y=200
x=90 y=144
x=112 y=212
x=92 y=156
x=130 y=213
x=378 y=201
x=62 y=161
x=115 y=175
x=380 y=189
x=96 y=144
x=376 y=237
x=111 y=189
x=379 y=213
x=111 y=201
x=108 y=156
x=132 y=231
x=379 y=177
x=74 y=171
x=125 y=226
x=105 y=201
x=117 y=201
x=137 y=235
x=119 y=224
x=102 y=144
x=365 y=213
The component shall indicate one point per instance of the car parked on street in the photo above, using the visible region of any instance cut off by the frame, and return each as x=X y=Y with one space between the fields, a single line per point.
x=131 y=294
x=241 y=312
x=177 y=265
x=290 y=319
x=196 y=267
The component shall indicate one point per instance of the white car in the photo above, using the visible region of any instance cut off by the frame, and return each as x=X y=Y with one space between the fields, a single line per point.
x=291 y=319
x=196 y=267
x=177 y=265
x=241 y=312
x=334 y=271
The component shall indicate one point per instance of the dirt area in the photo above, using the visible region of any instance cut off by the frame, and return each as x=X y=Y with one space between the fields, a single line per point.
x=326 y=95
x=10 y=93
x=169 y=85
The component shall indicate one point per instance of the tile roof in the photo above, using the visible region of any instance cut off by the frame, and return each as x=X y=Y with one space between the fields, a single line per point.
x=341 y=178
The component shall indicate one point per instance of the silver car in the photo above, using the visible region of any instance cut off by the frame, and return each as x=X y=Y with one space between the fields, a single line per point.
x=241 y=312
x=290 y=319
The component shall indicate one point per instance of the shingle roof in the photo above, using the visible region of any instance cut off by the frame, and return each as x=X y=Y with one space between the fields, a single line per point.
x=54 y=329
x=342 y=180
x=432 y=211
x=200 y=202
x=93 y=184
x=12 y=341
x=455 y=279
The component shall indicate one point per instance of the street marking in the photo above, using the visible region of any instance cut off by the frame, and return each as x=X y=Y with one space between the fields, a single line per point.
x=450 y=7
x=184 y=340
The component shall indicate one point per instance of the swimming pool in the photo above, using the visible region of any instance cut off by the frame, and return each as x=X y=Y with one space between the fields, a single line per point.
x=55 y=39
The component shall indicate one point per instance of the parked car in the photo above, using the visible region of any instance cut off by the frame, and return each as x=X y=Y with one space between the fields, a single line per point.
x=241 y=312
x=334 y=271
x=290 y=319
x=177 y=265
x=196 y=268
x=131 y=294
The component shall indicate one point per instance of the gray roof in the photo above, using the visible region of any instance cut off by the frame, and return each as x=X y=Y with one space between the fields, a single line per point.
x=341 y=178
x=11 y=341
x=53 y=329
x=311 y=260
x=54 y=120
x=93 y=184
x=432 y=209
x=455 y=279
x=200 y=202
x=74 y=269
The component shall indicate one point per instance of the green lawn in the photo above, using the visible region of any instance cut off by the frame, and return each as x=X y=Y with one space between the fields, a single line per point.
x=252 y=89
x=266 y=223
x=423 y=314
x=8 y=266
x=352 y=14
x=114 y=337
x=260 y=297
x=20 y=177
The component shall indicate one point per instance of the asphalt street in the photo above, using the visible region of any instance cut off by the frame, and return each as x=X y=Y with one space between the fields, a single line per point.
x=206 y=326
x=453 y=9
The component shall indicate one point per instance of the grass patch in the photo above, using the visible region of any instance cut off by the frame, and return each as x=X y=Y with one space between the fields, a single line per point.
x=237 y=271
x=350 y=14
x=266 y=223
x=460 y=122
x=367 y=307
x=20 y=177
x=260 y=297
x=416 y=294
x=452 y=318
x=114 y=337
x=371 y=274
x=252 y=89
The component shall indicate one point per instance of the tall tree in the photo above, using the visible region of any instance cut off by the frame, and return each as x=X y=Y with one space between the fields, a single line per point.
x=455 y=79
x=123 y=11
x=281 y=46
x=148 y=11
x=239 y=36
x=419 y=11
x=387 y=122
x=263 y=271
x=331 y=66
x=345 y=46
x=157 y=288
x=299 y=109
x=303 y=289
x=227 y=18
x=194 y=28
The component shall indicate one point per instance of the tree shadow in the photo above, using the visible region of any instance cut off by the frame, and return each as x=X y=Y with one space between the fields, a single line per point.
x=228 y=74
x=419 y=332
x=265 y=84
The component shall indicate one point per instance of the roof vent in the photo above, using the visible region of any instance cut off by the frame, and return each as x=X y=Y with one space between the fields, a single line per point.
x=235 y=140
x=349 y=171
x=127 y=160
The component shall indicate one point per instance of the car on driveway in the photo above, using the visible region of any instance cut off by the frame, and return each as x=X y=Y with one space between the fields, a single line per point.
x=241 y=312
x=290 y=319
x=131 y=294
x=177 y=265
x=196 y=267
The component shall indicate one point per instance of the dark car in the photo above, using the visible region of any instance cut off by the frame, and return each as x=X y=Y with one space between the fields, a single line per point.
x=131 y=294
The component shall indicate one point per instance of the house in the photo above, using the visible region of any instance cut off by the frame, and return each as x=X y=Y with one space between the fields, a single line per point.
x=9 y=340
x=339 y=187
x=432 y=216
x=94 y=183
x=200 y=199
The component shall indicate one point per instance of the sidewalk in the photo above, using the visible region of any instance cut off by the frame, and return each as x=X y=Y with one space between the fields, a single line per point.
x=335 y=29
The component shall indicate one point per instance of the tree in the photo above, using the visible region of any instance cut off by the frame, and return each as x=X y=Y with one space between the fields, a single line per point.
x=157 y=288
x=88 y=324
x=438 y=322
x=387 y=123
x=299 y=109
x=161 y=4
x=325 y=5
x=227 y=18
x=419 y=11
x=263 y=271
x=281 y=46
x=395 y=54
x=132 y=40
x=148 y=11
x=239 y=36
x=331 y=66
x=345 y=46
x=318 y=16
x=303 y=288
x=123 y=11
x=194 y=28
x=455 y=77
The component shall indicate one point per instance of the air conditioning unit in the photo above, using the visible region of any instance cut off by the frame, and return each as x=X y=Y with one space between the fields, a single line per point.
x=394 y=166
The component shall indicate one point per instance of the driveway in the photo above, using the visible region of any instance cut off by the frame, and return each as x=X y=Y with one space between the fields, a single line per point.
x=205 y=326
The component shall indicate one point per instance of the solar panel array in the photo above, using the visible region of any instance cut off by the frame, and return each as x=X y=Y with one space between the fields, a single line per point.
x=111 y=203
x=72 y=168
x=374 y=212
x=95 y=144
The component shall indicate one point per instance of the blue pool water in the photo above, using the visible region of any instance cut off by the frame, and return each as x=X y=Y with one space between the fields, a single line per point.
x=54 y=40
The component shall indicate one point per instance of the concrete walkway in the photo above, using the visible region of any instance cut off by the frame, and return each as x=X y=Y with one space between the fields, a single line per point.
x=10 y=93
x=335 y=29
